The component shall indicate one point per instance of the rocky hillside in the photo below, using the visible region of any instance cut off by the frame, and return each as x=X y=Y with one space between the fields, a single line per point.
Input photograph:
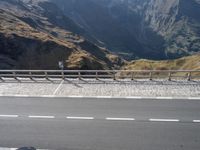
x=36 y=35
x=153 y=29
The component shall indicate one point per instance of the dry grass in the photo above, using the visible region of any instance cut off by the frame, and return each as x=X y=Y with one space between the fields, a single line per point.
x=83 y=60
x=185 y=63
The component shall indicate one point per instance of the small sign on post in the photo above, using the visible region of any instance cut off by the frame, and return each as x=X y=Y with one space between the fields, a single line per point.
x=61 y=65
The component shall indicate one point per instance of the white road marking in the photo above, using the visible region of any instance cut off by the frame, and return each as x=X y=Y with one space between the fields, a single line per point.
x=81 y=118
x=164 y=97
x=193 y=98
x=164 y=120
x=92 y=118
x=76 y=96
x=103 y=97
x=9 y=116
x=196 y=121
x=121 y=119
x=21 y=95
x=100 y=97
x=133 y=97
x=42 y=117
x=56 y=90
x=6 y=148
x=51 y=96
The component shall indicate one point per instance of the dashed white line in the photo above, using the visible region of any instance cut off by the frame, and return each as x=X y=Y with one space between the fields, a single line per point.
x=121 y=119
x=92 y=118
x=80 y=118
x=196 y=121
x=9 y=116
x=164 y=120
x=42 y=117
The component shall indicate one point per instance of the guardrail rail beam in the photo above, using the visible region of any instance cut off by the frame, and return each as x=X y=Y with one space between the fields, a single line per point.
x=111 y=74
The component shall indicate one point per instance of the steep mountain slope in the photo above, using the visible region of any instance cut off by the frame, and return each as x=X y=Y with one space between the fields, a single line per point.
x=154 y=29
x=36 y=35
x=99 y=22
x=178 y=22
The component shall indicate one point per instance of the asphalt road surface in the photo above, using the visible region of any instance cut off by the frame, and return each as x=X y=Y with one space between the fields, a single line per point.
x=100 y=124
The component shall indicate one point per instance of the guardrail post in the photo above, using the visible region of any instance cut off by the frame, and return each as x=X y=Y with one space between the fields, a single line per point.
x=63 y=75
x=189 y=76
x=1 y=78
x=114 y=76
x=46 y=75
x=30 y=75
x=96 y=75
x=150 y=76
x=132 y=75
x=79 y=75
x=14 y=75
x=170 y=76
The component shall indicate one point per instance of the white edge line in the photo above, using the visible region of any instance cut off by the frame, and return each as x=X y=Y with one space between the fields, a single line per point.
x=47 y=96
x=164 y=120
x=81 y=118
x=104 y=97
x=20 y=95
x=121 y=119
x=101 y=97
x=9 y=116
x=42 y=117
x=193 y=98
x=133 y=97
x=6 y=148
x=74 y=96
x=196 y=121
x=165 y=98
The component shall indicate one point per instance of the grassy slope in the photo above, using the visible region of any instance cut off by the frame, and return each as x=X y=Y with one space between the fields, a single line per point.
x=185 y=63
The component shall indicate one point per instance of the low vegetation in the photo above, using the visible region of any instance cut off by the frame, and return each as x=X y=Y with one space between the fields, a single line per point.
x=185 y=63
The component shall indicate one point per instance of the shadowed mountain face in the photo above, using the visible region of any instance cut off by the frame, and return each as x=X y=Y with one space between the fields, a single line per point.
x=37 y=35
x=155 y=29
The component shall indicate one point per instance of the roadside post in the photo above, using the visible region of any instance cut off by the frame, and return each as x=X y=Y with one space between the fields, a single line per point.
x=61 y=66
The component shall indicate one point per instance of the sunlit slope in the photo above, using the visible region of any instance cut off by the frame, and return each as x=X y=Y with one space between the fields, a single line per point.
x=185 y=63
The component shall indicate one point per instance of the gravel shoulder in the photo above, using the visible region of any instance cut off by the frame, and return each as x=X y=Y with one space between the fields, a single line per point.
x=103 y=87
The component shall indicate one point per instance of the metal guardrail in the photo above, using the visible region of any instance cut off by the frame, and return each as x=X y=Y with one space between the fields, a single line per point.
x=97 y=74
